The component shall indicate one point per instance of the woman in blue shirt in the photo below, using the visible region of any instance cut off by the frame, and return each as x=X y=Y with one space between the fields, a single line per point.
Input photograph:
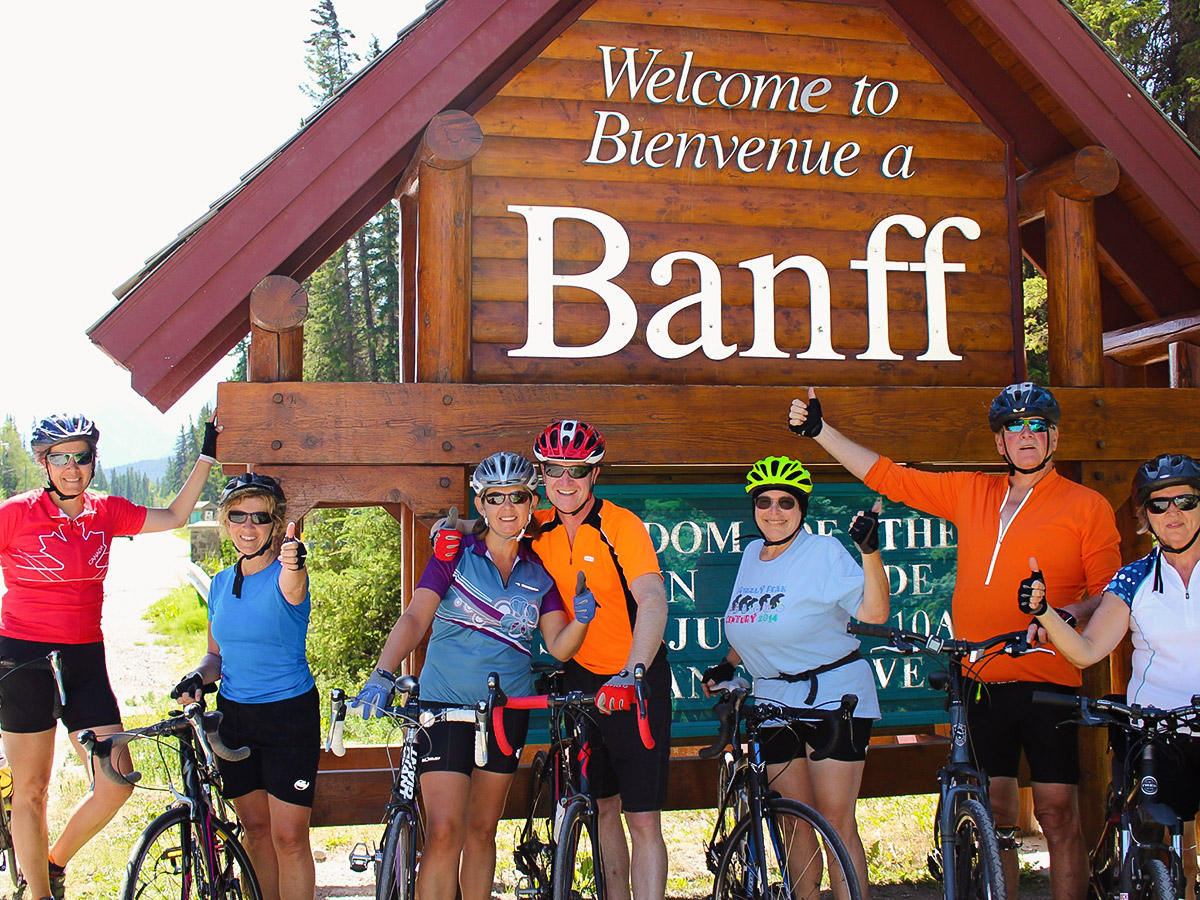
x=258 y=613
x=484 y=603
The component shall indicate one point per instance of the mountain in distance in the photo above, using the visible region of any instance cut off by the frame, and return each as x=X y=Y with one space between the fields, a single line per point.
x=154 y=469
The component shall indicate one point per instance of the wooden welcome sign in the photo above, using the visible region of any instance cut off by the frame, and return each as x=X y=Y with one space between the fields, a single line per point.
x=750 y=192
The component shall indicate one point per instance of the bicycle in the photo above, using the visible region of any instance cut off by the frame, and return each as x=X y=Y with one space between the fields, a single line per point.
x=397 y=859
x=192 y=850
x=558 y=847
x=966 y=851
x=8 y=854
x=764 y=846
x=1131 y=861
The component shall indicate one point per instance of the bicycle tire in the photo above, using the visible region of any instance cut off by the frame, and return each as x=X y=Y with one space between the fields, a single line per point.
x=1155 y=882
x=396 y=874
x=978 y=870
x=533 y=849
x=1105 y=864
x=9 y=857
x=167 y=862
x=578 y=869
x=789 y=855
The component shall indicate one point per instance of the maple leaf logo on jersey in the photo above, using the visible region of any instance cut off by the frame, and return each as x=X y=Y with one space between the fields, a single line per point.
x=47 y=562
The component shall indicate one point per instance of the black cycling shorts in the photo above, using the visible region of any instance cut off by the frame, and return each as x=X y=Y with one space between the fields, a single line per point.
x=1003 y=720
x=29 y=696
x=450 y=746
x=284 y=737
x=783 y=743
x=619 y=763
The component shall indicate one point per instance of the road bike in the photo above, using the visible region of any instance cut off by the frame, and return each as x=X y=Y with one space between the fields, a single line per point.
x=1140 y=852
x=557 y=848
x=966 y=851
x=764 y=846
x=51 y=662
x=192 y=850
x=397 y=858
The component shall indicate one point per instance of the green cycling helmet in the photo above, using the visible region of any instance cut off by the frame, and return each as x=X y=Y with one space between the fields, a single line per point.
x=779 y=472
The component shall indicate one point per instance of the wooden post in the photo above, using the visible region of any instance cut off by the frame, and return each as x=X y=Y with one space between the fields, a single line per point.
x=278 y=308
x=1184 y=363
x=441 y=177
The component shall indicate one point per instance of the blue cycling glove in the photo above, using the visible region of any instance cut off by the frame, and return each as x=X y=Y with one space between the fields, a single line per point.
x=375 y=694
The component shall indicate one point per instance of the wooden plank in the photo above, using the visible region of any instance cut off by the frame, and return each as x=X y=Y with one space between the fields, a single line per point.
x=663 y=425
x=354 y=789
x=444 y=228
x=1084 y=175
x=1184 y=363
x=1149 y=342
x=1073 y=293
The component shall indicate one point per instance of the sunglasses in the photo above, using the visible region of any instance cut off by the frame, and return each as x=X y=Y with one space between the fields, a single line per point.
x=514 y=497
x=81 y=457
x=238 y=516
x=1160 y=505
x=555 y=471
x=1036 y=426
x=785 y=503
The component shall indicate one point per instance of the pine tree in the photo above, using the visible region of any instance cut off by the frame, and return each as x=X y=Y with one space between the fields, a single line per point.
x=18 y=470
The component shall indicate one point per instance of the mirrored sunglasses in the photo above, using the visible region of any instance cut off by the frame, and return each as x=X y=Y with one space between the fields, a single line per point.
x=1036 y=426
x=554 y=471
x=238 y=516
x=1160 y=505
x=784 y=503
x=498 y=498
x=81 y=457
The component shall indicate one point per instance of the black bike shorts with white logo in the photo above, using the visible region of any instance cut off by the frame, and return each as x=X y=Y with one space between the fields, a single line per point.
x=28 y=696
x=618 y=762
x=1003 y=720
x=284 y=737
x=450 y=746
x=783 y=743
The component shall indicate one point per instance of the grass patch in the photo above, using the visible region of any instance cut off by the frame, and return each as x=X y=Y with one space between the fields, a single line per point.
x=181 y=620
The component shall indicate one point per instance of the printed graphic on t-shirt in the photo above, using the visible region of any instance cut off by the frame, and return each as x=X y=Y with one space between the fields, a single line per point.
x=755 y=604
x=48 y=563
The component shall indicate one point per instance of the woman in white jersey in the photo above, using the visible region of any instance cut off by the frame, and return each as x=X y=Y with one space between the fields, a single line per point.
x=1157 y=600
x=786 y=623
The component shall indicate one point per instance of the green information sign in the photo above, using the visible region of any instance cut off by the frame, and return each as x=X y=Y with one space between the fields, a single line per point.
x=700 y=531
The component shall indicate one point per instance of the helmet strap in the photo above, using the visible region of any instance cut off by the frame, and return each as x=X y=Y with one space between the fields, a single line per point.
x=767 y=543
x=518 y=535
x=53 y=488
x=238 y=575
x=1013 y=468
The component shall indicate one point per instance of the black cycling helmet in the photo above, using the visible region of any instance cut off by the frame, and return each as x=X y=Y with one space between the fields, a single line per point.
x=59 y=429
x=253 y=483
x=1023 y=401
x=1164 y=470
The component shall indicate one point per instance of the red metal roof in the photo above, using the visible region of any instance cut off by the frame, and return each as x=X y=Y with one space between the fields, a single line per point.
x=189 y=306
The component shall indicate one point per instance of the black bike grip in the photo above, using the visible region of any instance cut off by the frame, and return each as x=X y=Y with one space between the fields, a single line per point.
x=211 y=723
x=724 y=711
x=100 y=750
x=868 y=630
x=334 y=742
x=1050 y=698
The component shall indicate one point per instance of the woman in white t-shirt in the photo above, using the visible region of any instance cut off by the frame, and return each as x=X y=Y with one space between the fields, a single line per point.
x=786 y=623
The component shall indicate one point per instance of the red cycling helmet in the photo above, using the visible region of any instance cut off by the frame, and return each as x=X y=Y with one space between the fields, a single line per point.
x=570 y=439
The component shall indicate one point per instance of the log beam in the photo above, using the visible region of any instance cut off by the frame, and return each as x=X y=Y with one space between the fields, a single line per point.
x=278 y=308
x=662 y=425
x=1084 y=175
x=427 y=490
x=1141 y=345
x=1184 y=359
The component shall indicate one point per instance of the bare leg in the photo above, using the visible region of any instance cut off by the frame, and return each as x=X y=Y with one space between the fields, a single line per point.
x=98 y=807
x=478 y=870
x=293 y=852
x=31 y=758
x=614 y=848
x=254 y=811
x=446 y=796
x=1005 y=797
x=1057 y=809
x=835 y=784
x=649 y=866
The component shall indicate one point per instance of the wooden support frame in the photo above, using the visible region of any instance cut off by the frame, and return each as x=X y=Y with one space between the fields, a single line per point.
x=1150 y=342
x=278 y=308
x=429 y=490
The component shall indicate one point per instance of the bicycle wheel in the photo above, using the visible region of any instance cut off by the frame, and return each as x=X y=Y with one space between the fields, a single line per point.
x=578 y=873
x=396 y=874
x=533 y=852
x=978 y=872
x=169 y=861
x=802 y=854
x=8 y=857
x=1155 y=882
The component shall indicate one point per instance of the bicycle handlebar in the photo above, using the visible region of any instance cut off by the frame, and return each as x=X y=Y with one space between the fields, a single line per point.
x=204 y=725
x=337 y=723
x=732 y=704
x=570 y=698
x=1014 y=643
x=1131 y=718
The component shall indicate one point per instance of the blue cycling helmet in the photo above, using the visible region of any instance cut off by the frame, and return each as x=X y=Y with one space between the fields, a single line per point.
x=58 y=429
x=1023 y=401
x=1165 y=470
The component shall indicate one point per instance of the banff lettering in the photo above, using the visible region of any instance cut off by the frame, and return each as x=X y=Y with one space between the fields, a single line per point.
x=648 y=76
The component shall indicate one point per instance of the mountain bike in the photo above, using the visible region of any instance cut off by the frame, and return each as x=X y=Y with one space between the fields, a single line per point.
x=966 y=852
x=190 y=851
x=558 y=846
x=52 y=662
x=764 y=846
x=398 y=856
x=1132 y=861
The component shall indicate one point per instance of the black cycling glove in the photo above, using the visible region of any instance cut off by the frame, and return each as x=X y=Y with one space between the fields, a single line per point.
x=864 y=531
x=1025 y=594
x=811 y=426
x=722 y=671
x=192 y=684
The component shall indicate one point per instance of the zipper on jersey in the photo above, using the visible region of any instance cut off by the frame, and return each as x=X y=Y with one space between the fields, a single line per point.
x=1004 y=528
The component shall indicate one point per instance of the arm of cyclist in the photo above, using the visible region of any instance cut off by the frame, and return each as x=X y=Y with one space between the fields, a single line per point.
x=1101 y=636
x=401 y=641
x=876 y=604
x=564 y=637
x=804 y=418
x=651 y=598
x=722 y=671
x=293 y=576
x=176 y=515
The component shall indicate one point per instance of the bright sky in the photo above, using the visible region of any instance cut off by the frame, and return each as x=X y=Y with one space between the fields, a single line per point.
x=123 y=123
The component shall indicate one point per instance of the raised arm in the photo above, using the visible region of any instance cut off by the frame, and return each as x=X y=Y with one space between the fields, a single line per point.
x=176 y=515
x=876 y=605
x=651 y=624
x=804 y=418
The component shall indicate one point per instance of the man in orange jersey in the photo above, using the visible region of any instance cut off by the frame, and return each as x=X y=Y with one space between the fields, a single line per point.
x=1004 y=524
x=610 y=545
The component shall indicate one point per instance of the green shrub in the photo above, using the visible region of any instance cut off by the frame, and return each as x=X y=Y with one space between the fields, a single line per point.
x=181 y=619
